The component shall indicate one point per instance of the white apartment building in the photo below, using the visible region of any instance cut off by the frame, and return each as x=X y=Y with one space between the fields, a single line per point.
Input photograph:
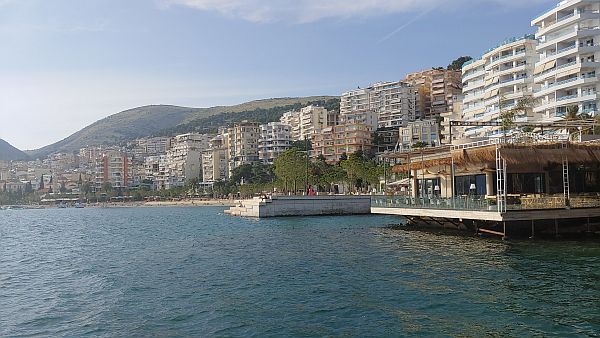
x=503 y=74
x=242 y=142
x=307 y=121
x=569 y=65
x=426 y=131
x=381 y=105
x=355 y=108
x=215 y=161
x=183 y=159
x=275 y=138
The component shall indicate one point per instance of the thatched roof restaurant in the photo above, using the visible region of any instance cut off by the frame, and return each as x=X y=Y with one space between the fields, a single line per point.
x=539 y=154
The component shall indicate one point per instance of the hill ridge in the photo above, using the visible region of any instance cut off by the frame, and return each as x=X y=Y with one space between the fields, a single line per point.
x=156 y=119
x=8 y=152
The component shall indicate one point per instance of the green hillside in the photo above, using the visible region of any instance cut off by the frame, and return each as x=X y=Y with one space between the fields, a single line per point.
x=156 y=120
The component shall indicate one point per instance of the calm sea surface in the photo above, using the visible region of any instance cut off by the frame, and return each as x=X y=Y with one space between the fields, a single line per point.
x=196 y=272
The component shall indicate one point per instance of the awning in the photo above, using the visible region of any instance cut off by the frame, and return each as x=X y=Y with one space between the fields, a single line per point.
x=550 y=65
x=402 y=182
x=568 y=72
x=544 y=67
x=539 y=69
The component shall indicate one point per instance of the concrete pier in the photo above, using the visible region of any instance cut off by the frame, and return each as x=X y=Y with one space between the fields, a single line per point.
x=515 y=223
x=277 y=206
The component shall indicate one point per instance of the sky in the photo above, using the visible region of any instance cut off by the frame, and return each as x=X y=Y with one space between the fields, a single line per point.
x=65 y=64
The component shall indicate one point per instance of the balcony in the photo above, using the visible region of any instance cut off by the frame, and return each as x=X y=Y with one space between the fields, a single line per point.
x=567 y=97
x=494 y=61
x=547 y=72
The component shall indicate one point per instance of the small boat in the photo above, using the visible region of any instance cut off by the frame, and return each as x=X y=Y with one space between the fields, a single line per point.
x=61 y=205
x=79 y=205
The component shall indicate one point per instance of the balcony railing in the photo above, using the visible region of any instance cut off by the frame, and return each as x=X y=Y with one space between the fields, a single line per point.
x=568 y=97
x=561 y=82
x=556 y=68
x=480 y=203
x=474 y=203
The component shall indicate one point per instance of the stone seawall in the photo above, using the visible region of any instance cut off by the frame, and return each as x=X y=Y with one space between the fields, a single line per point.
x=277 y=206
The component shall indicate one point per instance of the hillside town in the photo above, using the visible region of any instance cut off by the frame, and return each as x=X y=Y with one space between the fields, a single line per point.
x=548 y=76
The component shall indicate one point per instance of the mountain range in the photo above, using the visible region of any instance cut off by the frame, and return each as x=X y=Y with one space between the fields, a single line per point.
x=168 y=120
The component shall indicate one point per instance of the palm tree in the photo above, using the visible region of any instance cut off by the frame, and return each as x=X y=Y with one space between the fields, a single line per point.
x=572 y=115
x=523 y=106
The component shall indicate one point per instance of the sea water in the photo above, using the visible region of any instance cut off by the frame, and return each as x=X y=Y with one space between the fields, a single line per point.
x=196 y=272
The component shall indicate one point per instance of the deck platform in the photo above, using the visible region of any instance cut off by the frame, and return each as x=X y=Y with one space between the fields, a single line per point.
x=486 y=219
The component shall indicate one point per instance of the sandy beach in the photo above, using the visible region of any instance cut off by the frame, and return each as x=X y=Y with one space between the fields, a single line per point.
x=192 y=202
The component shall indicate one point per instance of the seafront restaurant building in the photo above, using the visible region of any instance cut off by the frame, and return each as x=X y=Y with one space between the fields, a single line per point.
x=520 y=185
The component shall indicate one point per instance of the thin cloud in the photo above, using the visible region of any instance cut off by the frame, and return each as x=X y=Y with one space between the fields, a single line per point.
x=306 y=11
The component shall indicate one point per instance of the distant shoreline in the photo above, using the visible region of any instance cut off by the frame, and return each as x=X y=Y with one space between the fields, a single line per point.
x=181 y=203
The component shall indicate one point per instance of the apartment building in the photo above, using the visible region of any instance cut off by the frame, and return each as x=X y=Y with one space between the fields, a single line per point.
x=332 y=142
x=569 y=65
x=242 y=142
x=275 y=138
x=215 y=161
x=445 y=85
x=154 y=145
x=183 y=159
x=501 y=77
x=307 y=120
x=453 y=114
x=434 y=90
x=421 y=84
x=113 y=167
x=422 y=131
x=381 y=105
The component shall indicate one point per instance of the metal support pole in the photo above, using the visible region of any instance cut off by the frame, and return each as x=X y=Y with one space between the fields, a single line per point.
x=422 y=177
x=556 y=227
x=306 y=148
x=532 y=229
x=504 y=237
x=588 y=224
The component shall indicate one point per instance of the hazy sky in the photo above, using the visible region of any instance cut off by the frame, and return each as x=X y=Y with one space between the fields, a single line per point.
x=67 y=63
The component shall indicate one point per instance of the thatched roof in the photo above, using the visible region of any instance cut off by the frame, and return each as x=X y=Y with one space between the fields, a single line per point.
x=416 y=164
x=540 y=154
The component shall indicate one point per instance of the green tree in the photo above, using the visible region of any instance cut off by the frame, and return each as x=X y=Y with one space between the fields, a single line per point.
x=302 y=145
x=458 y=63
x=354 y=167
x=507 y=116
x=290 y=169
x=107 y=187
x=419 y=144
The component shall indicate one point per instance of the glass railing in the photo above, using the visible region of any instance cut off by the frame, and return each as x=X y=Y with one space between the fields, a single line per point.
x=474 y=203
x=480 y=203
x=561 y=82
x=560 y=51
x=590 y=110
x=566 y=17
x=568 y=97
x=469 y=62
x=514 y=79
x=511 y=40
